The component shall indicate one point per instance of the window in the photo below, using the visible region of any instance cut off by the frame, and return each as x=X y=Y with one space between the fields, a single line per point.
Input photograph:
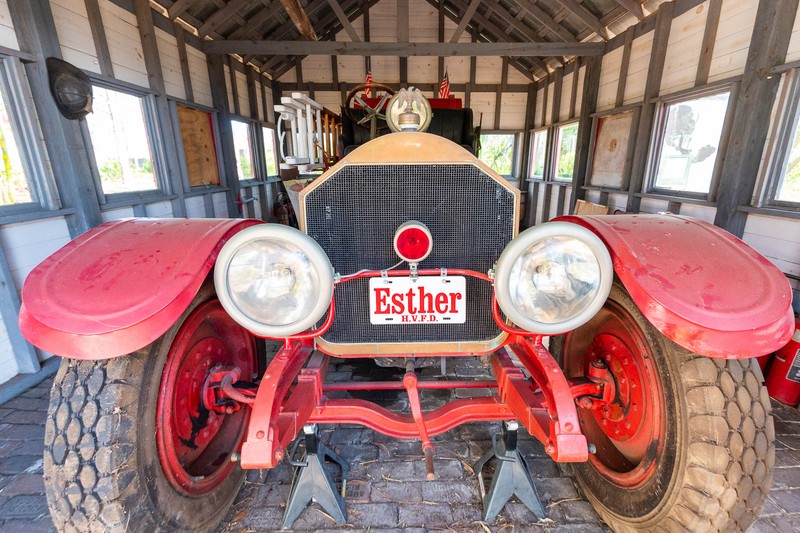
x=611 y=147
x=538 y=154
x=122 y=152
x=497 y=151
x=199 y=146
x=269 y=151
x=241 y=146
x=25 y=183
x=688 y=143
x=788 y=189
x=566 y=143
x=783 y=155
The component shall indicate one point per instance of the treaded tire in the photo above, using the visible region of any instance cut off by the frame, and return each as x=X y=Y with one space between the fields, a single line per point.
x=101 y=466
x=715 y=465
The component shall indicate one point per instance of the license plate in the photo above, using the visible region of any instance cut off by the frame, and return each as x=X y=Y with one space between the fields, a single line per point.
x=425 y=300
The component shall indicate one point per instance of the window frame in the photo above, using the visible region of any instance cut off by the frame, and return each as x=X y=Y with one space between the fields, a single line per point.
x=782 y=132
x=155 y=141
x=554 y=149
x=256 y=160
x=655 y=145
x=265 y=125
x=184 y=170
x=547 y=143
x=29 y=141
x=516 y=160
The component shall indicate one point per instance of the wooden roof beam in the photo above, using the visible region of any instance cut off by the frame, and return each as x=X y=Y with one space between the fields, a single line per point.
x=545 y=20
x=296 y=48
x=219 y=16
x=633 y=7
x=574 y=7
x=343 y=20
x=466 y=18
x=300 y=19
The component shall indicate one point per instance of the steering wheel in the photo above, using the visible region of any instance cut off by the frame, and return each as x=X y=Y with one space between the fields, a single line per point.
x=370 y=119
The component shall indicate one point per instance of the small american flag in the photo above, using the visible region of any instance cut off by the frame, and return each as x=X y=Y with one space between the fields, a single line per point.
x=444 y=87
x=368 y=91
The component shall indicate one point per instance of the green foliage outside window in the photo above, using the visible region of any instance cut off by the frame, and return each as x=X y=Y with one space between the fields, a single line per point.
x=567 y=143
x=497 y=151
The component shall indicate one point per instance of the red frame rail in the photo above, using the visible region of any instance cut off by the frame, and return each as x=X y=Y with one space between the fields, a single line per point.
x=543 y=400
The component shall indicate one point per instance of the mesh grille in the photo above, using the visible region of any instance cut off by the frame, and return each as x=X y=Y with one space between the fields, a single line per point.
x=354 y=214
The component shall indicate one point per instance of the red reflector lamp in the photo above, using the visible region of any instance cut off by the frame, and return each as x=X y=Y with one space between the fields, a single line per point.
x=413 y=241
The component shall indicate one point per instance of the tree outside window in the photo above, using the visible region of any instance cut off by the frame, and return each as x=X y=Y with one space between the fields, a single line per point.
x=567 y=142
x=269 y=151
x=14 y=185
x=497 y=151
x=789 y=187
x=241 y=145
x=538 y=154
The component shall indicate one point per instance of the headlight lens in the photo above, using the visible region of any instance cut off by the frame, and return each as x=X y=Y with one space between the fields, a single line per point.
x=274 y=280
x=553 y=278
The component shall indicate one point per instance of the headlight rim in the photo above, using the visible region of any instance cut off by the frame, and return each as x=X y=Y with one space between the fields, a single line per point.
x=528 y=238
x=316 y=255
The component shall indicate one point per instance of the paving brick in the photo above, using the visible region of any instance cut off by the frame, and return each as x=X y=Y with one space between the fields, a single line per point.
x=33 y=433
x=24 y=484
x=579 y=511
x=40 y=525
x=24 y=506
x=19 y=464
x=450 y=492
x=429 y=516
x=373 y=514
x=36 y=392
x=786 y=478
x=9 y=447
x=27 y=404
x=397 y=491
x=554 y=489
x=5 y=411
x=787 y=500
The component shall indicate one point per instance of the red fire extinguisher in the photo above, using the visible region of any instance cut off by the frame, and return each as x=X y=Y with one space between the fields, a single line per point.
x=783 y=380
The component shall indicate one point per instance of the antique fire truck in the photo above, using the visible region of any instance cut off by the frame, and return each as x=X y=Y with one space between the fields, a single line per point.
x=623 y=343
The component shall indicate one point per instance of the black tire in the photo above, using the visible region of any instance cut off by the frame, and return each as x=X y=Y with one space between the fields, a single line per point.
x=101 y=465
x=714 y=467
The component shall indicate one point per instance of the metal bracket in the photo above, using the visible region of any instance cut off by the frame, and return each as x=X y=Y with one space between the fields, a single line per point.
x=313 y=482
x=511 y=476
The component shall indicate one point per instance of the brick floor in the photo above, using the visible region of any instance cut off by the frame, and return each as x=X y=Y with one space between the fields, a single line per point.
x=386 y=488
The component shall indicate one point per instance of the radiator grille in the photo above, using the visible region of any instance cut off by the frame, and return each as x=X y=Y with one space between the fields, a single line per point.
x=353 y=215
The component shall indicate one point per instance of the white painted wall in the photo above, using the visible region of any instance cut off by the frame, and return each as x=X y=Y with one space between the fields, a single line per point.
x=7 y=36
x=27 y=244
x=75 y=34
x=124 y=44
x=170 y=64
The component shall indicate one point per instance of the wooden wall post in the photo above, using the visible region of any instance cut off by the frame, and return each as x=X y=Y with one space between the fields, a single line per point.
x=219 y=98
x=591 y=87
x=768 y=46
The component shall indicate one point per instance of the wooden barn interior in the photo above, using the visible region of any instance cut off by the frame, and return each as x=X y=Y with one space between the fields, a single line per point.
x=690 y=107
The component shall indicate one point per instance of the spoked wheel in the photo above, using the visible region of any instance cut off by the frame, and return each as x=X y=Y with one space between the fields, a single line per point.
x=129 y=443
x=687 y=442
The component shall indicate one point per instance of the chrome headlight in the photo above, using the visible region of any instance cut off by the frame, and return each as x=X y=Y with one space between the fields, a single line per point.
x=553 y=278
x=274 y=280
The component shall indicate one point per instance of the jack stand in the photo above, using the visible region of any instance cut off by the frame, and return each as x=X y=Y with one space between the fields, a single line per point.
x=511 y=476
x=313 y=482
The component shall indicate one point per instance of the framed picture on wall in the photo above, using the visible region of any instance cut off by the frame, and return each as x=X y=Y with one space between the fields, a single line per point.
x=612 y=150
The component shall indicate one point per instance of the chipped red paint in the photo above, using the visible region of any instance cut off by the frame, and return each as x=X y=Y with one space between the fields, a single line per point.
x=121 y=285
x=699 y=285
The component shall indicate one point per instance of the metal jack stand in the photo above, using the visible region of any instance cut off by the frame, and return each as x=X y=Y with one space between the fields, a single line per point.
x=313 y=482
x=511 y=476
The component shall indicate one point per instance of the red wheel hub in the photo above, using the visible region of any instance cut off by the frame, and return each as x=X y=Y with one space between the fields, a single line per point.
x=194 y=444
x=626 y=431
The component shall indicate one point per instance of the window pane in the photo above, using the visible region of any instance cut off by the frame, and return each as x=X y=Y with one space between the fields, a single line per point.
x=690 y=142
x=199 y=148
x=14 y=188
x=538 y=153
x=565 y=157
x=241 y=145
x=789 y=189
x=497 y=151
x=119 y=139
x=269 y=151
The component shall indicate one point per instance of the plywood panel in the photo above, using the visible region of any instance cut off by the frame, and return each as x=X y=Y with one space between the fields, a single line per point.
x=198 y=69
x=74 y=34
x=199 y=149
x=116 y=214
x=7 y=36
x=159 y=210
x=317 y=69
x=566 y=97
x=29 y=243
x=483 y=109
x=683 y=50
x=609 y=78
x=611 y=149
x=793 y=54
x=195 y=207
x=489 y=70
x=124 y=44
x=244 y=100
x=512 y=113
x=170 y=64
x=733 y=38
x=637 y=69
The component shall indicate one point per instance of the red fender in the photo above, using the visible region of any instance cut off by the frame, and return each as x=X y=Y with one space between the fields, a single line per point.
x=696 y=283
x=121 y=285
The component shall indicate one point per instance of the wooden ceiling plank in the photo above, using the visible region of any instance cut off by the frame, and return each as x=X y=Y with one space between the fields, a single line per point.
x=339 y=12
x=574 y=7
x=546 y=20
x=633 y=7
x=219 y=16
x=178 y=8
